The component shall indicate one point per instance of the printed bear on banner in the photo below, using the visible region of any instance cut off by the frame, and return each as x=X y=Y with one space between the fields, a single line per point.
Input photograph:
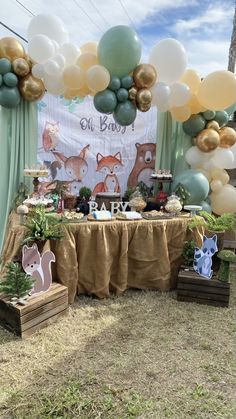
x=50 y=135
x=203 y=257
x=108 y=165
x=38 y=266
x=144 y=165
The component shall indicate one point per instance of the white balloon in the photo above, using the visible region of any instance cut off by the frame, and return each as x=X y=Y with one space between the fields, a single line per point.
x=60 y=59
x=224 y=201
x=169 y=58
x=52 y=68
x=41 y=48
x=233 y=164
x=179 y=94
x=38 y=71
x=54 y=84
x=70 y=52
x=56 y=45
x=195 y=157
x=160 y=96
x=223 y=158
x=49 y=25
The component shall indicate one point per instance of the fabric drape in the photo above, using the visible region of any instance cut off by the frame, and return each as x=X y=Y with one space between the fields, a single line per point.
x=19 y=136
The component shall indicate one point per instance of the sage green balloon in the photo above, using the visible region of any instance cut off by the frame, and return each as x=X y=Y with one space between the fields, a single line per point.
x=194 y=125
x=10 y=79
x=125 y=113
x=222 y=118
x=5 y=65
x=0 y=80
x=231 y=109
x=209 y=115
x=195 y=183
x=119 y=50
x=127 y=82
x=105 y=101
x=122 y=94
x=206 y=206
x=114 y=83
x=9 y=97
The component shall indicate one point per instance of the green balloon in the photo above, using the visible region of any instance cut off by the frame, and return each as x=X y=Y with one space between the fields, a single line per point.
x=10 y=79
x=231 y=109
x=119 y=50
x=194 y=125
x=206 y=206
x=127 y=82
x=105 y=101
x=0 y=80
x=209 y=115
x=9 y=97
x=125 y=113
x=5 y=65
x=222 y=118
x=195 y=183
x=114 y=83
x=122 y=94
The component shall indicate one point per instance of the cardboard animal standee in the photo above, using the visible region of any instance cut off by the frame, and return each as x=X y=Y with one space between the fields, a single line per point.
x=202 y=263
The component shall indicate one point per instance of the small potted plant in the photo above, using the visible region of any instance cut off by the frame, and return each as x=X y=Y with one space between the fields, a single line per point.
x=188 y=253
x=16 y=284
x=85 y=193
x=226 y=257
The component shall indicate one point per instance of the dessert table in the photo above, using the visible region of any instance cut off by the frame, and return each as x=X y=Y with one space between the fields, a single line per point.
x=99 y=257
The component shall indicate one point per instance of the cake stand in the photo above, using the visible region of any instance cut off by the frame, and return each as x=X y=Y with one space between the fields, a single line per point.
x=193 y=209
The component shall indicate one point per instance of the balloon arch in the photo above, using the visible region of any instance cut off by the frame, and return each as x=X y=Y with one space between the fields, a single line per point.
x=111 y=72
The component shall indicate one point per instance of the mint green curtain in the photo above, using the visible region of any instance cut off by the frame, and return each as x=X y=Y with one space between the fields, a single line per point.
x=172 y=144
x=18 y=136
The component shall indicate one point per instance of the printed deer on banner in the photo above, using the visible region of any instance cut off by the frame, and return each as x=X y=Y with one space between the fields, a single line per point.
x=76 y=167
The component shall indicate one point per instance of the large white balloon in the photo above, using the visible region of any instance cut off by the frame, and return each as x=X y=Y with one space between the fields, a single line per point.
x=51 y=67
x=179 y=94
x=60 y=59
x=70 y=52
x=224 y=200
x=38 y=71
x=160 y=96
x=223 y=158
x=49 y=25
x=233 y=164
x=54 y=84
x=195 y=157
x=41 y=48
x=170 y=60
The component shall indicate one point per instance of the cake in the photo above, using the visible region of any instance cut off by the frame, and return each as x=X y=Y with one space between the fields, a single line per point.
x=36 y=172
x=34 y=201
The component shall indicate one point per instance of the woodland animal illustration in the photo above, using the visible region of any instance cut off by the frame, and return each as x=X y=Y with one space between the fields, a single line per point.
x=144 y=164
x=76 y=167
x=203 y=257
x=50 y=135
x=38 y=266
x=109 y=165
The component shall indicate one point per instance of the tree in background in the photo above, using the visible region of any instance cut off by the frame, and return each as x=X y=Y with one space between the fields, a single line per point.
x=232 y=48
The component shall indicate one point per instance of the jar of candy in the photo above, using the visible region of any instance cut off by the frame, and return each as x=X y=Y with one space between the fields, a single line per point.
x=173 y=205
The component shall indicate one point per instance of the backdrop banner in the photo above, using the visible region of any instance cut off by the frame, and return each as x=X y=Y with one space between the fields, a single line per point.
x=85 y=148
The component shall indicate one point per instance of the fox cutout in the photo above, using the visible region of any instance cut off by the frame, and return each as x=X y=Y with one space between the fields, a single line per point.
x=50 y=135
x=39 y=267
x=76 y=167
x=203 y=257
x=108 y=165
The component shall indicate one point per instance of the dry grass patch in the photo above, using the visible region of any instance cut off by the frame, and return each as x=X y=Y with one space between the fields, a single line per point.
x=141 y=355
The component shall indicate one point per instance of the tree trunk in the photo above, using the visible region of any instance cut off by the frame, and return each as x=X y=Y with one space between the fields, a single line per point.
x=232 y=48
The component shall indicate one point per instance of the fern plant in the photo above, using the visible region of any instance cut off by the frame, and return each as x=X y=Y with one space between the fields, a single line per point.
x=211 y=222
x=40 y=227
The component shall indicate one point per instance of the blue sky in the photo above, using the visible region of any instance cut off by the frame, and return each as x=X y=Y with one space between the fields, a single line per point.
x=203 y=27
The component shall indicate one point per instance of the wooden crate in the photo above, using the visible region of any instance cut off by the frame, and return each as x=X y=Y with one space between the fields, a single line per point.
x=194 y=288
x=39 y=312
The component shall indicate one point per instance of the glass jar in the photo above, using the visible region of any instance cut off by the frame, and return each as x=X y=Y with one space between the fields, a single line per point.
x=173 y=205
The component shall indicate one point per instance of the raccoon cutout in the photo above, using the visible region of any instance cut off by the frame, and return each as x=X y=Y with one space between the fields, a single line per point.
x=203 y=257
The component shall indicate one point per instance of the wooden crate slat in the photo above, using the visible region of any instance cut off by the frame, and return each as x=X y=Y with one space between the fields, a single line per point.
x=47 y=322
x=193 y=278
x=202 y=288
x=37 y=320
x=8 y=316
x=202 y=301
x=43 y=309
x=207 y=296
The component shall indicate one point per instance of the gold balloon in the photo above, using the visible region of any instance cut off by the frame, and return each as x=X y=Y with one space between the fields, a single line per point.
x=213 y=125
x=31 y=89
x=144 y=97
x=144 y=75
x=20 y=67
x=133 y=93
x=143 y=107
x=227 y=137
x=208 y=140
x=11 y=49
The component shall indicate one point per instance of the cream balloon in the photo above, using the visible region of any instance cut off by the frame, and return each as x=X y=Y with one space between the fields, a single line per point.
x=180 y=113
x=49 y=25
x=97 y=78
x=160 y=96
x=169 y=59
x=91 y=47
x=192 y=79
x=87 y=60
x=194 y=105
x=224 y=201
x=179 y=94
x=218 y=90
x=73 y=77
x=223 y=158
x=216 y=185
x=40 y=48
x=70 y=52
x=220 y=174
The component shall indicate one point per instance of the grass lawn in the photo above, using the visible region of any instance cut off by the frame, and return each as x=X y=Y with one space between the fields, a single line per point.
x=140 y=355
